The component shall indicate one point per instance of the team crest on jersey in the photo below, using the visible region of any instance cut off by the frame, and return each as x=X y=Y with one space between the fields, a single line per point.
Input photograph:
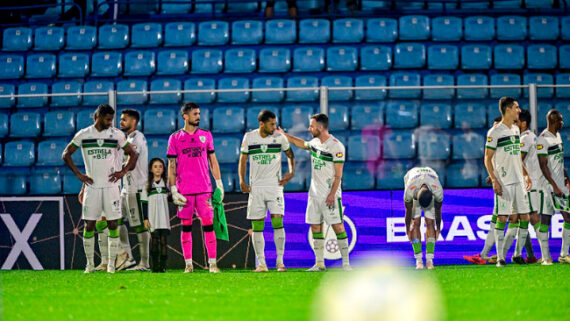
x=100 y=142
x=513 y=139
x=203 y=139
x=539 y=147
x=489 y=139
x=264 y=148
x=159 y=189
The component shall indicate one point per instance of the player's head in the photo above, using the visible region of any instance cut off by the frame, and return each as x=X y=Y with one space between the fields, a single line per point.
x=129 y=119
x=554 y=120
x=524 y=119
x=497 y=120
x=191 y=113
x=319 y=124
x=425 y=196
x=509 y=108
x=104 y=116
x=267 y=121
x=156 y=167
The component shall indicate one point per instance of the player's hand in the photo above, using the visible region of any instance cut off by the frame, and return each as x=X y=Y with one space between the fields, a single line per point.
x=116 y=176
x=557 y=191
x=488 y=180
x=528 y=183
x=330 y=200
x=177 y=198
x=244 y=187
x=80 y=195
x=280 y=130
x=147 y=224
x=85 y=179
x=220 y=185
x=285 y=179
x=497 y=188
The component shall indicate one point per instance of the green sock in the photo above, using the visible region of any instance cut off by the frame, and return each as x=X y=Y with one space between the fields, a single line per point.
x=500 y=226
x=100 y=226
x=140 y=229
x=543 y=228
x=523 y=224
x=494 y=218
x=114 y=233
x=341 y=236
x=567 y=226
x=514 y=225
x=318 y=236
x=277 y=222
x=417 y=246
x=88 y=234
x=537 y=226
x=258 y=226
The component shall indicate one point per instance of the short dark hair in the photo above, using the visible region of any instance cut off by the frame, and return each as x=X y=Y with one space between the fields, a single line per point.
x=187 y=107
x=525 y=116
x=498 y=119
x=424 y=197
x=132 y=113
x=321 y=119
x=505 y=102
x=265 y=115
x=104 y=110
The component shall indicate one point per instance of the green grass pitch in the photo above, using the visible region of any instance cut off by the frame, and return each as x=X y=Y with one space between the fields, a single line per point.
x=470 y=293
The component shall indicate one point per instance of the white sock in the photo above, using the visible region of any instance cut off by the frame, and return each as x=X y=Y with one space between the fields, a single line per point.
x=489 y=241
x=125 y=244
x=544 y=246
x=114 y=244
x=188 y=261
x=144 y=243
x=499 y=240
x=565 y=241
x=509 y=239
x=212 y=261
x=279 y=239
x=319 y=248
x=103 y=240
x=343 y=247
x=521 y=241
x=259 y=247
x=89 y=248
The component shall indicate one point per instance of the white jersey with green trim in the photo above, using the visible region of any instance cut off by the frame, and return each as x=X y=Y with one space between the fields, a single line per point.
x=264 y=155
x=137 y=178
x=101 y=153
x=507 y=162
x=550 y=145
x=418 y=176
x=528 y=147
x=323 y=157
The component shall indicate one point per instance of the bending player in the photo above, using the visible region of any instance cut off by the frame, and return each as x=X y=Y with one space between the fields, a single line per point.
x=263 y=147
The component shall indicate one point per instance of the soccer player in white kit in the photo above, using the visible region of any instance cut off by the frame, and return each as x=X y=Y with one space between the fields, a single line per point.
x=554 y=184
x=263 y=147
x=98 y=145
x=508 y=176
x=325 y=203
x=422 y=190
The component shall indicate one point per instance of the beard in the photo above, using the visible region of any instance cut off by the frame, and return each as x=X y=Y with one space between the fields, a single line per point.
x=195 y=123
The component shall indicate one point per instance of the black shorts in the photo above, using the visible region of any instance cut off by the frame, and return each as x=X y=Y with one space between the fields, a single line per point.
x=160 y=232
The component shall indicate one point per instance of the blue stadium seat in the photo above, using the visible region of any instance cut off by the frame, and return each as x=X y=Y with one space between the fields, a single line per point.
x=390 y=174
x=268 y=96
x=19 y=153
x=405 y=79
x=402 y=114
x=564 y=56
x=137 y=85
x=493 y=112
x=228 y=176
x=338 y=116
x=375 y=58
x=200 y=84
x=367 y=116
x=564 y=107
x=274 y=60
x=207 y=61
x=381 y=30
x=49 y=152
x=314 y=31
x=182 y=7
x=338 y=81
x=472 y=80
x=247 y=32
x=40 y=66
x=542 y=56
x=439 y=80
x=409 y=55
x=357 y=177
x=11 y=66
x=73 y=65
x=233 y=97
x=292 y=116
x=470 y=115
x=280 y=31
x=414 y=28
x=227 y=149
x=509 y=56
x=71 y=184
x=543 y=28
x=507 y=4
x=81 y=38
x=437 y=114
x=253 y=111
x=13 y=182
x=165 y=85
x=370 y=81
x=114 y=36
x=159 y=121
x=468 y=145
x=538 y=4
x=540 y=79
x=308 y=59
x=563 y=79
x=3 y=124
x=179 y=34
x=372 y=5
x=342 y=59
x=242 y=7
x=140 y=63
x=505 y=79
x=443 y=57
x=17 y=39
x=399 y=144
x=565 y=28
x=97 y=86
x=146 y=35
x=446 y=29
x=511 y=28
x=49 y=38
x=302 y=95
x=348 y=30
x=479 y=28
x=409 y=5
x=475 y=5
x=363 y=148
x=301 y=178
x=434 y=145
x=59 y=123
x=106 y=64
x=213 y=33
x=462 y=174
x=240 y=60
x=7 y=89
x=157 y=147
x=172 y=62
x=84 y=118
x=45 y=181
x=32 y=88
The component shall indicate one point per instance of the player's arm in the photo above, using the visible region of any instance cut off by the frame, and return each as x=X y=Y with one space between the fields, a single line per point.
x=241 y=173
x=489 y=152
x=69 y=150
x=437 y=206
x=298 y=142
x=527 y=178
x=131 y=163
x=292 y=163
x=177 y=198
x=338 y=167
x=543 y=162
x=408 y=218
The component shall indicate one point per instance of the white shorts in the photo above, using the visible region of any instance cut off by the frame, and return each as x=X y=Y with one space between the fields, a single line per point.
x=513 y=201
x=132 y=208
x=429 y=212
x=551 y=203
x=318 y=212
x=534 y=200
x=99 y=202
x=263 y=199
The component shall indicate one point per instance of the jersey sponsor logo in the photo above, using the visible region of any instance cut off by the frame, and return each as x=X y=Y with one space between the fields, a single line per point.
x=489 y=139
x=522 y=144
x=263 y=159
x=339 y=155
x=193 y=151
x=539 y=147
x=203 y=139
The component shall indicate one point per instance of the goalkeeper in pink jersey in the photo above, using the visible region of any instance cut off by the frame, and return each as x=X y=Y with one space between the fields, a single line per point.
x=190 y=158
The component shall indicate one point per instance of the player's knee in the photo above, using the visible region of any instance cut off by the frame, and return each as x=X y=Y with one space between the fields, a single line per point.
x=430 y=223
x=338 y=228
x=89 y=226
x=258 y=226
x=208 y=228
x=187 y=228
x=100 y=226
x=277 y=222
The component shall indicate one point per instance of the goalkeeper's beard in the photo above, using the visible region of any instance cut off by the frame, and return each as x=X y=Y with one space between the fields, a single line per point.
x=195 y=124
